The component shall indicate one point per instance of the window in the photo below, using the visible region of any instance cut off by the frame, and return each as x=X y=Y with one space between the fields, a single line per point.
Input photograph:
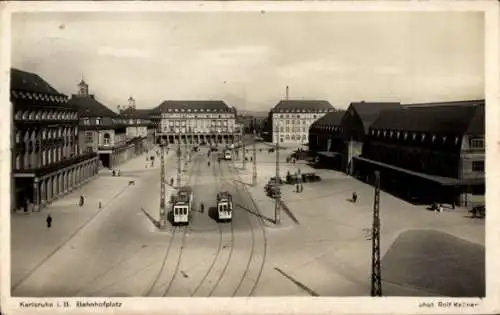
x=88 y=137
x=478 y=166
x=107 y=139
x=477 y=143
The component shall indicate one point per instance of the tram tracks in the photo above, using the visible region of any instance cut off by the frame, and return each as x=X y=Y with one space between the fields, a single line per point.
x=222 y=258
x=251 y=276
x=170 y=268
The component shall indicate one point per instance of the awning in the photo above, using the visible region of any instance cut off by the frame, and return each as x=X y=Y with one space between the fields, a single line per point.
x=445 y=181
x=328 y=153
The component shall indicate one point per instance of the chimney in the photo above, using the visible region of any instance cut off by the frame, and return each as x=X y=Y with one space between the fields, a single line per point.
x=287 y=92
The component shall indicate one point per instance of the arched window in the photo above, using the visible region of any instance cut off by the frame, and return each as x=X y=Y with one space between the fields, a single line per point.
x=26 y=136
x=44 y=134
x=31 y=116
x=25 y=115
x=19 y=114
x=44 y=115
x=38 y=115
x=18 y=137
x=107 y=139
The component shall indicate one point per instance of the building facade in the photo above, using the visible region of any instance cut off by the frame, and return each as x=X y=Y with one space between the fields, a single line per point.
x=103 y=131
x=139 y=125
x=291 y=120
x=428 y=153
x=46 y=160
x=326 y=140
x=195 y=122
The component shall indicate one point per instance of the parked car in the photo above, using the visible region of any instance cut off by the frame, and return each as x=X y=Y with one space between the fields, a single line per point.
x=478 y=211
x=310 y=177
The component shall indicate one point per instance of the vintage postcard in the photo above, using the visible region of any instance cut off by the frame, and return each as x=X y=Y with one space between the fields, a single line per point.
x=250 y=157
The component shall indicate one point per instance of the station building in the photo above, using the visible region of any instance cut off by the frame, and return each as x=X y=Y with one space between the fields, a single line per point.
x=46 y=159
x=195 y=122
x=139 y=125
x=432 y=153
x=102 y=130
x=290 y=120
x=339 y=136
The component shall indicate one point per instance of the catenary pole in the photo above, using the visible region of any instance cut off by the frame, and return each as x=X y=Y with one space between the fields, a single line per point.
x=376 y=289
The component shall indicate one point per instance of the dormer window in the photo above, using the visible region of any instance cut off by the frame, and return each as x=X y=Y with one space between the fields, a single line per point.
x=423 y=137
x=414 y=135
x=433 y=138
x=406 y=135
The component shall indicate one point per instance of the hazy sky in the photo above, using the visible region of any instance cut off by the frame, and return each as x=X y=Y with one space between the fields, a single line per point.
x=247 y=58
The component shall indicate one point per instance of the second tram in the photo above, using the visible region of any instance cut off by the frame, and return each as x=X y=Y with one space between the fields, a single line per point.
x=224 y=206
x=182 y=204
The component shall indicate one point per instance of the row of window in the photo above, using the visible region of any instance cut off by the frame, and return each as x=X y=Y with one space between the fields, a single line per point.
x=46 y=134
x=45 y=115
x=40 y=96
x=478 y=166
x=197 y=116
x=294 y=121
x=200 y=123
x=293 y=138
x=46 y=157
x=291 y=129
x=189 y=110
x=477 y=143
x=197 y=130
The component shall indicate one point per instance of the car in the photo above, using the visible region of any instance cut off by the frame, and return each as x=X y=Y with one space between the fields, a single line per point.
x=310 y=177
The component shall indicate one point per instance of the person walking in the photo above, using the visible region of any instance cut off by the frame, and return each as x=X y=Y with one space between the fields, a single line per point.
x=301 y=187
x=82 y=201
x=49 y=221
x=100 y=205
x=354 y=197
x=202 y=207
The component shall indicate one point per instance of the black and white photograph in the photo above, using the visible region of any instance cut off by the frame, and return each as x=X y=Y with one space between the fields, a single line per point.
x=248 y=153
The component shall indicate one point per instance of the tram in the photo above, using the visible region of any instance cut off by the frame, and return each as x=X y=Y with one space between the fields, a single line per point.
x=182 y=205
x=227 y=155
x=224 y=206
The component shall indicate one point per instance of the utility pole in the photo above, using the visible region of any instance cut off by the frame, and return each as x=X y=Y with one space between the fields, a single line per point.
x=277 y=217
x=254 y=158
x=162 y=184
x=179 y=170
x=244 y=156
x=376 y=273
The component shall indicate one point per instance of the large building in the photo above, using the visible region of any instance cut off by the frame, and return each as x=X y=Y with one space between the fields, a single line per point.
x=431 y=153
x=339 y=136
x=46 y=159
x=139 y=124
x=193 y=122
x=290 y=120
x=102 y=130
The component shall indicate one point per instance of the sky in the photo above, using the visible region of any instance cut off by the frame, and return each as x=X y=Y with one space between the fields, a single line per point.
x=248 y=58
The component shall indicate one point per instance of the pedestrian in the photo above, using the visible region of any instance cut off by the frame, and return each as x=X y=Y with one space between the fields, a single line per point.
x=82 y=201
x=301 y=187
x=354 y=197
x=100 y=205
x=202 y=207
x=440 y=208
x=297 y=188
x=49 y=221
x=172 y=181
x=208 y=163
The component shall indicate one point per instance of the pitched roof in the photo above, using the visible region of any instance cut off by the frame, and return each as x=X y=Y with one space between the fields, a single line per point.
x=330 y=119
x=452 y=103
x=30 y=82
x=134 y=112
x=307 y=105
x=368 y=111
x=433 y=119
x=477 y=124
x=88 y=106
x=197 y=106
